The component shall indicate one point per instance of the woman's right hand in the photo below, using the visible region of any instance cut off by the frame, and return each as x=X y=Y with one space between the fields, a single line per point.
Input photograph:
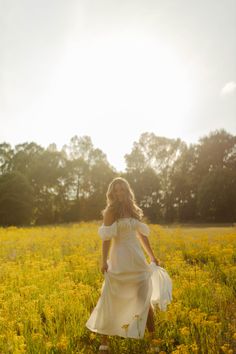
x=155 y=260
x=104 y=267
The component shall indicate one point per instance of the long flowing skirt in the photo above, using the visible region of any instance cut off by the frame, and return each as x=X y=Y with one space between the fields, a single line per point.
x=123 y=306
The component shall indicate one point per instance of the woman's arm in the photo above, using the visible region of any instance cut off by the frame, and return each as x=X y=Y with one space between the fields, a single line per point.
x=108 y=219
x=105 y=250
x=147 y=247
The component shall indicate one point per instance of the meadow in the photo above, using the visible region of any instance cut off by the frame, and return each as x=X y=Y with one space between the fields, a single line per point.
x=50 y=280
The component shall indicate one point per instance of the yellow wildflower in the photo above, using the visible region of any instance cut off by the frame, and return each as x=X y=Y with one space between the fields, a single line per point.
x=125 y=326
x=184 y=331
x=157 y=341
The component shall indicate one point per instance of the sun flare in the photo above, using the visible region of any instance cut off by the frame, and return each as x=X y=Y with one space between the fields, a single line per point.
x=125 y=76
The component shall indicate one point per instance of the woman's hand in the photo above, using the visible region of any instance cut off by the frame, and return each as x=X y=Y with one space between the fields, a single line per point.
x=156 y=261
x=104 y=267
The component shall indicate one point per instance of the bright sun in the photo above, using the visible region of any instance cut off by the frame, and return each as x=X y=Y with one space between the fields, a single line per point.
x=101 y=80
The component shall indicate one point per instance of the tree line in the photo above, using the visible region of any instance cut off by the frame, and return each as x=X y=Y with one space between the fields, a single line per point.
x=173 y=182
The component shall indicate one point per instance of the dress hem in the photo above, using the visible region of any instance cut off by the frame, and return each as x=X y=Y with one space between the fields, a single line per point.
x=112 y=334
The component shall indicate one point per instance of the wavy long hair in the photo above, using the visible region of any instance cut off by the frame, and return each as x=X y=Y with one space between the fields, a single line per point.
x=128 y=206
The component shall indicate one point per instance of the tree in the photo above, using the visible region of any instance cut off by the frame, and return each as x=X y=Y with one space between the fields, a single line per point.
x=159 y=154
x=16 y=199
x=146 y=186
x=217 y=149
x=6 y=155
x=217 y=196
x=88 y=176
x=184 y=185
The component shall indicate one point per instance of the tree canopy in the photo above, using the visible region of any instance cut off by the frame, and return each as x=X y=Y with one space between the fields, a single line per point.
x=172 y=182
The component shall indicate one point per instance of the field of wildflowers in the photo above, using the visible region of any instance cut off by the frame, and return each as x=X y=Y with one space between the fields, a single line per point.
x=50 y=280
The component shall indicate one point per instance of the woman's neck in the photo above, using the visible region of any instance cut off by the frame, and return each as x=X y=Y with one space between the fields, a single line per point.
x=125 y=214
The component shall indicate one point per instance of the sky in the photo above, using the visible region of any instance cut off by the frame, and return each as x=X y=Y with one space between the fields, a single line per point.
x=116 y=69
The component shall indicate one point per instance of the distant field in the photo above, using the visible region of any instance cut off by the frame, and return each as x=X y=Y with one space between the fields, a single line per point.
x=50 y=281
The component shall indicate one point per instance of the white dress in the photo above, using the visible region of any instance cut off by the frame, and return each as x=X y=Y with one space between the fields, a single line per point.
x=131 y=285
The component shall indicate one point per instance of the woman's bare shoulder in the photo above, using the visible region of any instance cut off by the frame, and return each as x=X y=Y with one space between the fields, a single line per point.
x=108 y=217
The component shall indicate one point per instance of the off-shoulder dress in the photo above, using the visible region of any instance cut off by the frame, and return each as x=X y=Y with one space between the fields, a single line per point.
x=130 y=285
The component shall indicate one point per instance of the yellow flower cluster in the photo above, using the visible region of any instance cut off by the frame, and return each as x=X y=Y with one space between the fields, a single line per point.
x=51 y=280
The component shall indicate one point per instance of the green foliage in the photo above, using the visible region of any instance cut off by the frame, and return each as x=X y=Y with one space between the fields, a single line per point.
x=217 y=195
x=172 y=182
x=16 y=199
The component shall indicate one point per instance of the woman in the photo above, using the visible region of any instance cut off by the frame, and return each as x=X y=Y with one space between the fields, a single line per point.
x=124 y=307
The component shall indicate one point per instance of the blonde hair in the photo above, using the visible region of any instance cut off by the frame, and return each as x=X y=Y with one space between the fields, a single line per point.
x=128 y=206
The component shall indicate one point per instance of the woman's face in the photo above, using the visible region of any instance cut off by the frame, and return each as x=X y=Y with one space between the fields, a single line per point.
x=119 y=191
